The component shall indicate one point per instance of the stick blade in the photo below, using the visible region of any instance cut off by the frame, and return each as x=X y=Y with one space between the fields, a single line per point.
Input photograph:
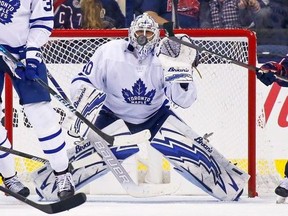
x=64 y=205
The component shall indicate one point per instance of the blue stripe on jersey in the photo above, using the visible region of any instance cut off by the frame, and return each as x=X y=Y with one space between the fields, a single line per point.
x=42 y=26
x=50 y=137
x=42 y=19
x=52 y=151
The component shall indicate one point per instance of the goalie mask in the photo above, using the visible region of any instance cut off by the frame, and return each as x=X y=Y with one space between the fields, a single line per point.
x=143 y=35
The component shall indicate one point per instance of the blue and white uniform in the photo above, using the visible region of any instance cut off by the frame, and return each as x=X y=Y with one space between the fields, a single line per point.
x=135 y=90
x=20 y=27
x=25 y=26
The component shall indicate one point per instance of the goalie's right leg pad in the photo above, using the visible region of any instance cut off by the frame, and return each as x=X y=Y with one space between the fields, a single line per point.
x=44 y=178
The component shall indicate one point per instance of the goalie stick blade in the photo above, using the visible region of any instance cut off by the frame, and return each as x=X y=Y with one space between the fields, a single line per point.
x=50 y=208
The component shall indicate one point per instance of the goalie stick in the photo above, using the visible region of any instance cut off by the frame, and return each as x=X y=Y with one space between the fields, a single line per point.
x=101 y=146
x=170 y=34
x=50 y=208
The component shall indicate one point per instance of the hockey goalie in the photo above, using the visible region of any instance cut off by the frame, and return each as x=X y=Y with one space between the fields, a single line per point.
x=141 y=78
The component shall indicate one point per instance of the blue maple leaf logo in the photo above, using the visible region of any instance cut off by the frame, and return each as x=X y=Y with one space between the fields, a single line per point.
x=138 y=94
x=7 y=10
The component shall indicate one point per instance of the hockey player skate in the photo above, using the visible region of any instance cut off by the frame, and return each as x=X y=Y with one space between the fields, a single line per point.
x=65 y=184
x=282 y=191
x=13 y=183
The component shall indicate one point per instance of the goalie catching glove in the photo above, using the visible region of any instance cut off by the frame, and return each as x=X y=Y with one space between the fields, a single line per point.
x=177 y=59
x=274 y=72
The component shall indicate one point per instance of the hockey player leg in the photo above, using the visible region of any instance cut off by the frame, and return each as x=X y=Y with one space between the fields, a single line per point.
x=7 y=167
x=282 y=189
x=199 y=162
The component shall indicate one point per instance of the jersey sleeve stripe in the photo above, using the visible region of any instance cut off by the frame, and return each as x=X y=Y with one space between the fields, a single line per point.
x=42 y=26
x=42 y=19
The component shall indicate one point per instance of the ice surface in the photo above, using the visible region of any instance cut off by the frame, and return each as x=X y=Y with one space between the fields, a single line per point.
x=156 y=206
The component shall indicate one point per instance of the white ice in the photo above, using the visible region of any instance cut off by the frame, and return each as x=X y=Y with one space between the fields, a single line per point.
x=157 y=206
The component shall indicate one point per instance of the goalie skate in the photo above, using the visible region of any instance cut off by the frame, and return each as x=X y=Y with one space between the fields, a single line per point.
x=282 y=191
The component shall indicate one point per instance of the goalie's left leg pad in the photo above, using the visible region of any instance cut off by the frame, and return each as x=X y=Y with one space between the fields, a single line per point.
x=195 y=162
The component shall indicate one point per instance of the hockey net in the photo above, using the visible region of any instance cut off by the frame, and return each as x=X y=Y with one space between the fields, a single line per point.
x=226 y=103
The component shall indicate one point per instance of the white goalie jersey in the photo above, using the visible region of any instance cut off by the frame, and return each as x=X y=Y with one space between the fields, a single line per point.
x=129 y=82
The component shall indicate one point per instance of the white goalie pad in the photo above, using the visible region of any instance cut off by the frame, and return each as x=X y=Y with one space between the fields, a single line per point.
x=199 y=162
x=44 y=178
x=88 y=102
x=177 y=59
x=94 y=166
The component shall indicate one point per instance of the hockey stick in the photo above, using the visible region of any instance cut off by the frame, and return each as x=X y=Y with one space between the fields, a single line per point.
x=170 y=34
x=101 y=146
x=50 y=208
x=57 y=86
x=23 y=154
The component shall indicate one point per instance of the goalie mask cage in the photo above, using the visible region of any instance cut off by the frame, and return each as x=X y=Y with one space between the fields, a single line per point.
x=226 y=103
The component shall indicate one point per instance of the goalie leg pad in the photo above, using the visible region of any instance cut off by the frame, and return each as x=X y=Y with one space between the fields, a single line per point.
x=199 y=162
x=88 y=102
x=44 y=178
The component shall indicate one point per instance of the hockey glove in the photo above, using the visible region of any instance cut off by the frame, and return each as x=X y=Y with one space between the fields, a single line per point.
x=266 y=78
x=274 y=72
x=33 y=59
x=177 y=59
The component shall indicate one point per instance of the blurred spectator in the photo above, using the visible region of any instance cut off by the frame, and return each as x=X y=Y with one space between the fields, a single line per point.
x=272 y=40
x=250 y=13
x=69 y=14
x=205 y=14
x=93 y=15
x=231 y=13
x=161 y=11
x=133 y=9
x=113 y=12
x=279 y=13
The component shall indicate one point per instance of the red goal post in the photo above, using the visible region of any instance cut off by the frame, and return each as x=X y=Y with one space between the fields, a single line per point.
x=235 y=43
